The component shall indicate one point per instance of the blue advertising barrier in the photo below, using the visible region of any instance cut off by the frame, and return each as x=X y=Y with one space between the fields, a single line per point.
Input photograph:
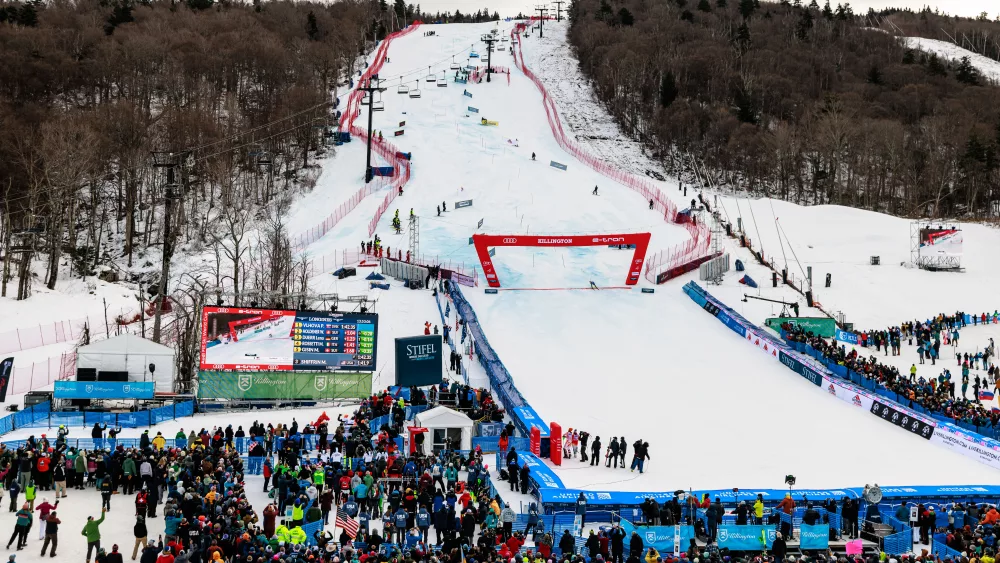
x=398 y=392
x=103 y=390
x=463 y=203
x=558 y=165
x=814 y=537
x=796 y=365
x=525 y=418
x=847 y=337
x=473 y=110
x=732 y=323
x=540 y=473
x=660 y=538
x=746 y=538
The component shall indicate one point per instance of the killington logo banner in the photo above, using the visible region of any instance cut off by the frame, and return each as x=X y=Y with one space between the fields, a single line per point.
x=746 y=538
x=660 y=538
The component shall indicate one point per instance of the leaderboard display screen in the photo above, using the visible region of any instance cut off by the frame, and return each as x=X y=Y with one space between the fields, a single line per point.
x=241 y=339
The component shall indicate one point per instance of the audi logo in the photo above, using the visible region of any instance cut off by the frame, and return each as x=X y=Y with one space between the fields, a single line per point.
x=509 y=240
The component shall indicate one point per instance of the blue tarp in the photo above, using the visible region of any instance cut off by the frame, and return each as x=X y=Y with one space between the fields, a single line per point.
x=739 y=266
x=375 y=285
x=748 y=281
x=375 y=276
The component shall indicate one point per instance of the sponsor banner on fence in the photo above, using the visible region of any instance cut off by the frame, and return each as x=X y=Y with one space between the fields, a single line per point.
x=6 y=370
x=462 y=279
x=814 y=537
x=765 y=345
x=963 y=442
x=795 y=364
x=463 y=203
x=558 y=165
x=660 y=538
x=621 y=498
x=283 y=385
x=847 y=393
x=902 y=419
x=730 y=322
x=103 y=390
x=820 y=326
x=746 y=538
x=545 y=477
x=847 y=337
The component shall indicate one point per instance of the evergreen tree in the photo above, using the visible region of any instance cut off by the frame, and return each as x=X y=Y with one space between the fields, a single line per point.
x=687 y=16
x=704 y=6
x=813 y=5
x=935 y=67
x=27 y=15
x=908 y=57
x=746 y=112
x=382 y=6
x=625 y=17
x=312 y=28
x=257 y=7
x=746 y=8
x=743 y=38
x=827 y=11
x=720 y=3
x=805 y=24
x=966 y=73
x=668 y=89
x=121 y=13
x=681 y=3
x=399 y=7
x=874 y=75
x=200 y=4
x=496 y=16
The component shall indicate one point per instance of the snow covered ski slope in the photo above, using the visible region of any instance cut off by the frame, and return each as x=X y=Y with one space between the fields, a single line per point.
x=611 y=362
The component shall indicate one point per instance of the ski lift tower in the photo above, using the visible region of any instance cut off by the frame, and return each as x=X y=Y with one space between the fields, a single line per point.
x=370 y=90
x=541 y=20
x=489 y=40
x=414 y=237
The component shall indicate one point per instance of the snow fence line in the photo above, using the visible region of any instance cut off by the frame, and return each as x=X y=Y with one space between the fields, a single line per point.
x=666 y=264
x=866 y=394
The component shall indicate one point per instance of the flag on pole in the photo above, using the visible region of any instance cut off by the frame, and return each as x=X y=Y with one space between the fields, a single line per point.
x=344 y=520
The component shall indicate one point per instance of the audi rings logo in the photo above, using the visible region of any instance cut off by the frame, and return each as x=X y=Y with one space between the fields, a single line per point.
x=510 y=241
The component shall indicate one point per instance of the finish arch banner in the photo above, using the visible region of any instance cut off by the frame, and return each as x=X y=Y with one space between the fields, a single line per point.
x=484 y=242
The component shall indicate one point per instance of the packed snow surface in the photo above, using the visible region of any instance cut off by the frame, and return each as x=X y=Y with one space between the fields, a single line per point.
x=987 y=66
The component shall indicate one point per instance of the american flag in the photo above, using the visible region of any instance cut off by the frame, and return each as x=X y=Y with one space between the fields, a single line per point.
x=344 y=520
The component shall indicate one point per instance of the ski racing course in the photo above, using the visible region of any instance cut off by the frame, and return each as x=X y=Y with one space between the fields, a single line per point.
x=717 y=413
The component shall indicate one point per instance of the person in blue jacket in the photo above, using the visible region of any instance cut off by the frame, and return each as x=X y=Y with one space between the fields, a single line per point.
x=423 y=522
x=400 y=522
x=351 y=507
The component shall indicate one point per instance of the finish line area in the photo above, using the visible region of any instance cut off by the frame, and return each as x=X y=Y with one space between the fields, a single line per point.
x=593 y=288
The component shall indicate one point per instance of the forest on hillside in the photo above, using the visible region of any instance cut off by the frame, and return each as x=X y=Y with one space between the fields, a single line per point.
x=801 y=101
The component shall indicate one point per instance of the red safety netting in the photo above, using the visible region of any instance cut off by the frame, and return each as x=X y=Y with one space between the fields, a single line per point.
x=39 y=374
x=26 y=338
x=699 y=243
x=479 y=72
x=382 y=148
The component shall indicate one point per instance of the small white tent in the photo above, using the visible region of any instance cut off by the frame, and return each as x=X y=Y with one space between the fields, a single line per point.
x=443 y=423
x=133 y=354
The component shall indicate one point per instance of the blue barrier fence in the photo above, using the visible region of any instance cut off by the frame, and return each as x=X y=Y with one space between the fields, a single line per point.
x=941 y=549
x=451 y=336
x=492 y=443
x=39 y=416
x=500 y=379
x=24 y=418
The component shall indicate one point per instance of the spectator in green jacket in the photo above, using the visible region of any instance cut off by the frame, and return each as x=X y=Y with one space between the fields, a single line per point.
x=92 y=531
x=21 y=528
